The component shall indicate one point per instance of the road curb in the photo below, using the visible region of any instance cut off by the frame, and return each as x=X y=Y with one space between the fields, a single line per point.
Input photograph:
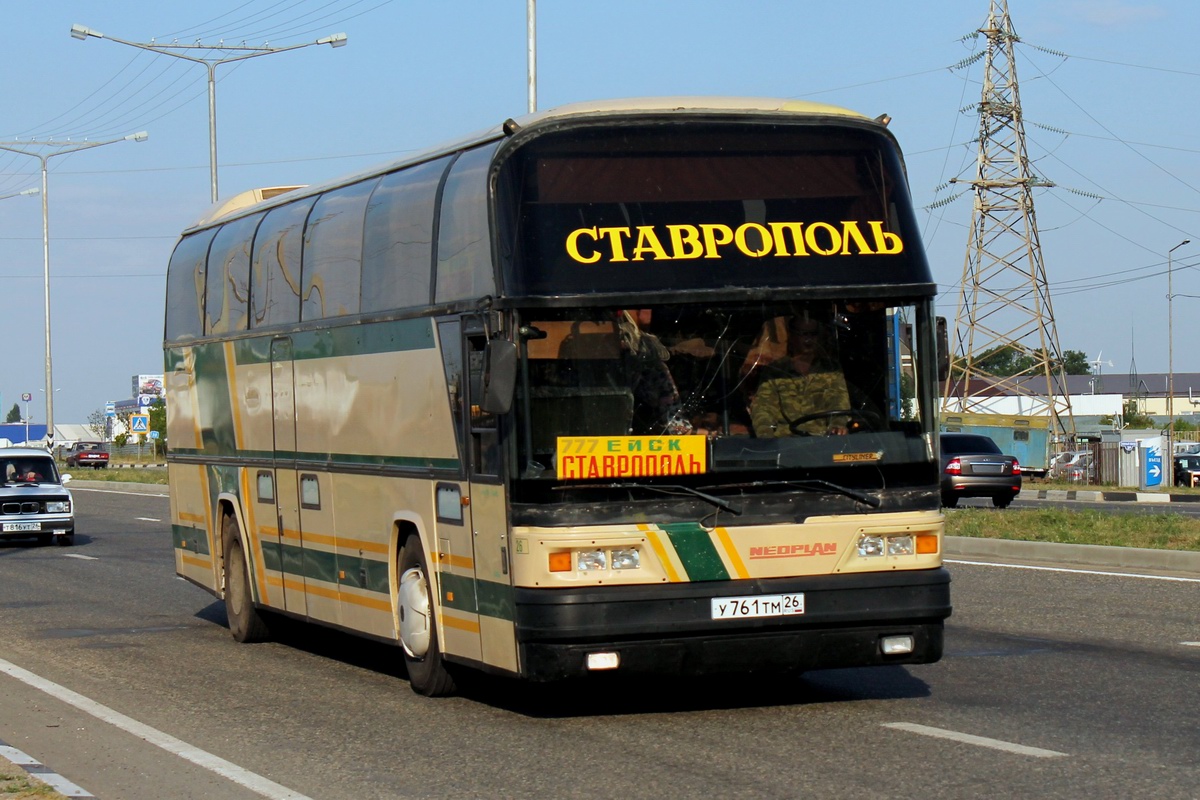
x=1098 y=496
x=1091 y=555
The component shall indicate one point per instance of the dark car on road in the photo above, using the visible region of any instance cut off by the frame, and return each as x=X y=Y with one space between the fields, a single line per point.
x=974 y=466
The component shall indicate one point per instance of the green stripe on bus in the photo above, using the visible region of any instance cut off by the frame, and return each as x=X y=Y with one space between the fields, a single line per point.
x=335 y=459
x=695 y=549
x=459 y=592
x=351 y=340
x=496 y=600
x=471 y=596
x=194 y=540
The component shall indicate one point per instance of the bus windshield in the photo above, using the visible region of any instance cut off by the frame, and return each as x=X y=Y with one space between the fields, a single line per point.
x=766 y=387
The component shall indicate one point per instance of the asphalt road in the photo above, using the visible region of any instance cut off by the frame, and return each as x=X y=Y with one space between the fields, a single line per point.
x=119 y=676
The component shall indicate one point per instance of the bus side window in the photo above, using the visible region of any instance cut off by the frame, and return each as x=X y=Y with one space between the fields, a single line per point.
x=485 y=441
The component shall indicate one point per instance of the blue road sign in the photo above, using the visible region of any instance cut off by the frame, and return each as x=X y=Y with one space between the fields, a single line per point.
x=139 y=423
x=1154 y=467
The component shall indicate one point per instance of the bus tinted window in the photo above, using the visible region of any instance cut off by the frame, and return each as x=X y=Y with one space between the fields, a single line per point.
x=398 y=245
x=333 y=252
x=275 y=279
x=228 y=290
x=464 y=245
x=185 y=287
x=754 y=205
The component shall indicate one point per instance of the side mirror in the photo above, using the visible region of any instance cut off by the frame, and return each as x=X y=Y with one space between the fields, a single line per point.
x=943 y=350
x=499 y=376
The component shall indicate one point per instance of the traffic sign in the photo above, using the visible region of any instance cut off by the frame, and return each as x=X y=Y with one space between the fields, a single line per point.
x=139 y=423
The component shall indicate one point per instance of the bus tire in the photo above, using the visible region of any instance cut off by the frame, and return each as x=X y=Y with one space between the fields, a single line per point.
x=427 y=673
x=245 y=623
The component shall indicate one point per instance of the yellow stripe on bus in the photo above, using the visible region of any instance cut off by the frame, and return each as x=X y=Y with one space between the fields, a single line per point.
x=185 y=516
x=661 y=550
x=193 y=561
x=340 y=595
x=248 y=509
x=234 y=401
x=462 y=562
x=731 y=553
x=470 y=626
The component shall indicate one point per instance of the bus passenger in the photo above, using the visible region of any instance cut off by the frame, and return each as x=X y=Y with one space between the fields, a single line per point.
x=654 y=391
x=807 y=381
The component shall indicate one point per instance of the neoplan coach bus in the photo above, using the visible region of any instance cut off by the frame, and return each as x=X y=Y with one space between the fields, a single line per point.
x=646 y=386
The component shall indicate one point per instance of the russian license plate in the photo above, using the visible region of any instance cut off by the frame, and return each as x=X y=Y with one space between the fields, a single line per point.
x=13 y=527
x=764 y=605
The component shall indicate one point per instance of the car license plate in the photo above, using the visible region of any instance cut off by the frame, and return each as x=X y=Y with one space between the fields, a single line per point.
x=13 y=527
x=764 y=605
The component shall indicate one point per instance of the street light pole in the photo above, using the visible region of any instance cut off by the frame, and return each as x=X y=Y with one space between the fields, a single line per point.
x=1171 y=371
x=43 y=152
x=531 y=36
x=236 y=53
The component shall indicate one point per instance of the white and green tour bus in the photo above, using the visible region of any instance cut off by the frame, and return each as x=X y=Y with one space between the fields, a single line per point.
x=644 y=386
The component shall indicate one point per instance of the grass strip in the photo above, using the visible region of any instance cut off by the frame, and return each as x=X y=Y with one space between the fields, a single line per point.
x=1116 y=528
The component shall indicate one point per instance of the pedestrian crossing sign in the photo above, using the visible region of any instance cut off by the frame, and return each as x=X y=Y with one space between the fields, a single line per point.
x=139 y=423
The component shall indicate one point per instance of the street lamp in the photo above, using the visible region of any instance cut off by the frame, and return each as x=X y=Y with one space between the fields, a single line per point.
x=238 y=53
x=1171 y=371
x=43 y=152
x=34 y=190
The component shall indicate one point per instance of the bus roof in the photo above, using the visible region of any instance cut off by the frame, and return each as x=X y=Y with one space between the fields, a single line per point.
x=258 y=199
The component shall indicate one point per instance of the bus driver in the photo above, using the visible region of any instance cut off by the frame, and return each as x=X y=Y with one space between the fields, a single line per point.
x=808 y=381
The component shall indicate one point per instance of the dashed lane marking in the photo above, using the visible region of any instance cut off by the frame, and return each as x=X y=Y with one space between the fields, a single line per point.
x=980 y=741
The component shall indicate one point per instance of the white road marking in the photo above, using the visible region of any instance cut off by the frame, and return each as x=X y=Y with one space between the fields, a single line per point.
x=113 y=491
x=1075 y=571
x=81 y=556
x=981 y=741
x=1190 y=644
x=148 y=519
x=242 y=777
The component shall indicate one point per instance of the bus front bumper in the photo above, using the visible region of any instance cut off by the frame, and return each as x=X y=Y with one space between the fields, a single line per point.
x=670 y=630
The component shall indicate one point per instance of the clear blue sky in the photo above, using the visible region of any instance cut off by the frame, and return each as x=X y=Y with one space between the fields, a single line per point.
x=1114 y=119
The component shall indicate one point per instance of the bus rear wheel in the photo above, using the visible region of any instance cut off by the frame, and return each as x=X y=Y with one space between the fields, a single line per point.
x=427 y=673
x=245 y=623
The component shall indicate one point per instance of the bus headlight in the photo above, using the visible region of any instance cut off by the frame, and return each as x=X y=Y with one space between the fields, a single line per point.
x=909 y=543
x=869 y=545
x=626 y=558
x=591 y=560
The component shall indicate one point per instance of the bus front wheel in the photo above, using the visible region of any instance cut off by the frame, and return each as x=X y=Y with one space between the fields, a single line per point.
x=245 y=623
x=427 y=673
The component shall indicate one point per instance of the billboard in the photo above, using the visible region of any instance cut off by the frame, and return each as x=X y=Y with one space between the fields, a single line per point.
x=147 y=389
x=148 y=384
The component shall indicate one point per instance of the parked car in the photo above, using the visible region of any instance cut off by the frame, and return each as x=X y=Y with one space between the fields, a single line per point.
x=1081 y=469
x=1064 y=463
x=34 y=502
x=1187 y=470
x=86 y=454
x=974 y=466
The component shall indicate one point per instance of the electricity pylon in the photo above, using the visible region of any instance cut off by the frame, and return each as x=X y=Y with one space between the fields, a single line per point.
x=1005 y=317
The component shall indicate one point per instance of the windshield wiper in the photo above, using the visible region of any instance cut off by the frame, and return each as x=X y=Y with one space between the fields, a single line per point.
x=816 y=484
x=724 y=505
